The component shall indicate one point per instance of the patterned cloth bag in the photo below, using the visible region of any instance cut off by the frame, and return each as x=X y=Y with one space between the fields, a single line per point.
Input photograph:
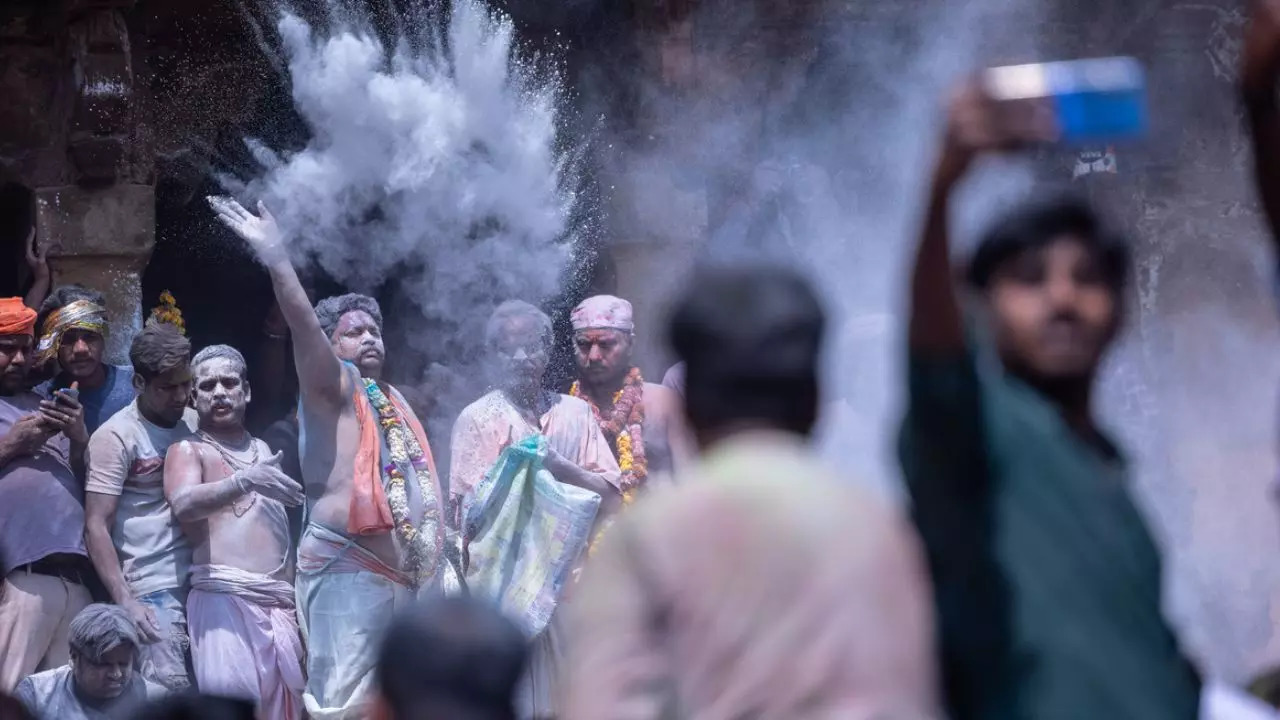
x=524 y=532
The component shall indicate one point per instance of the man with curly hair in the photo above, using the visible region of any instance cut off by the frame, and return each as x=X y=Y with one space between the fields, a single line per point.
x=374 y=537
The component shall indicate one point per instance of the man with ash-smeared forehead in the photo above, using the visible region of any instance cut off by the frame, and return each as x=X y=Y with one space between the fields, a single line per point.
x=374 y=537
x=229 y=493
x=518 y=337
x=641 y=420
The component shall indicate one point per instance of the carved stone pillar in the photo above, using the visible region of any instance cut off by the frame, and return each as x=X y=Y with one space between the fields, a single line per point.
x=105 y=238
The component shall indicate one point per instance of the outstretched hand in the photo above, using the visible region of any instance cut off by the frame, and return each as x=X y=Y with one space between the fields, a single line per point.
x=1260 y=59
x=977 y=124
x=260 y=231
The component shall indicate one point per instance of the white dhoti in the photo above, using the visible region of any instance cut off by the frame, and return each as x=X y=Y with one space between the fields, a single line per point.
x=346 y=599
x=244 y=639
x=538 y=694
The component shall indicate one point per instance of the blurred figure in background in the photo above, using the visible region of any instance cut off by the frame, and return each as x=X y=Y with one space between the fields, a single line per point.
x=1048 y=582
x=101 y=682
x=73 y=337
x=455 y=658
x=764 y=585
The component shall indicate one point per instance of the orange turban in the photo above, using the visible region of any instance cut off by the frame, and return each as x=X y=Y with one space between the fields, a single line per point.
x=16 y=318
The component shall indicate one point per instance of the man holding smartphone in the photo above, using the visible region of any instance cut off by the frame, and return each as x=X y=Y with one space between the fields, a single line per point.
x=42 y=441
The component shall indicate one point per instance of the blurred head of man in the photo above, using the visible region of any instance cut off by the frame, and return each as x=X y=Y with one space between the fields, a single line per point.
x=198 y=706
x=353 y=324
x=519 y=337
x=104 y=651
x=750 y=338
x=73 y=328
x=1052 y=277
x=17 y=323
x=456 y=658
x=161 y=357
x=221 y=388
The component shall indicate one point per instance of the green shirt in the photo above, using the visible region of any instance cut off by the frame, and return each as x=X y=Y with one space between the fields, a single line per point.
x=1046 y=577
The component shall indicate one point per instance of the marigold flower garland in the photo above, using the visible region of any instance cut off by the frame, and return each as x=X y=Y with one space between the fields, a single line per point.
x=167 y=312
x=624 y=429
x=419 y=547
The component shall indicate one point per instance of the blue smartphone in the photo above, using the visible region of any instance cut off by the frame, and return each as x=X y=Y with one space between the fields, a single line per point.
x=1094 y=101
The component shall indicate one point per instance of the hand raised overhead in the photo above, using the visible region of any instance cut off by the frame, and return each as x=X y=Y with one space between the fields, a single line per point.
x=260 y=231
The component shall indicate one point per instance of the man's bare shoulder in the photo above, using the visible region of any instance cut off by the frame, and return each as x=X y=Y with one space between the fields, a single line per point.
x=660 y=397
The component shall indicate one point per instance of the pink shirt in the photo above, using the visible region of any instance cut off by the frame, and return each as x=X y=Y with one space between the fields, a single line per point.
x=762 y=585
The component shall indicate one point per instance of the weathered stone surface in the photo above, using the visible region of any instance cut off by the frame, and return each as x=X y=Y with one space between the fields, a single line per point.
x=104 y=239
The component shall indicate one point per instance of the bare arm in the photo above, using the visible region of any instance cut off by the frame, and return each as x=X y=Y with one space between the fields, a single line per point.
x=99 y=516
x=37 y=260
x=570 y=474
x=1260 y=66
x=320 y=373
x=189 y=496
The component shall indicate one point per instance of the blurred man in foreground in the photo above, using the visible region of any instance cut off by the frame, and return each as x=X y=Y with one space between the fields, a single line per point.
x=101 y=682
x=229 y=493
x=455 y=658
x=1048 y=582
x=764 y=584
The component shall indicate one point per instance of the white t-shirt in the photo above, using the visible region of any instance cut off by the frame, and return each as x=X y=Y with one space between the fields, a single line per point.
x=126 y=459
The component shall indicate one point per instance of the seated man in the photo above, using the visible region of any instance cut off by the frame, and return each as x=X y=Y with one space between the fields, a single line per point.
x=455 y=658
x=100 y=682
x=229 y=493
x=73 y=332
x=519 y=337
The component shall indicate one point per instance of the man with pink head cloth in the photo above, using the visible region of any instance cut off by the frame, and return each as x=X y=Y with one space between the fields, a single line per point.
x=641 y=421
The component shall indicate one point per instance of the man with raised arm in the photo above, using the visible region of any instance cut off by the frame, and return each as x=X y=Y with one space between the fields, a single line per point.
x=374 y=536
x=229 y=493
x=1047 y=581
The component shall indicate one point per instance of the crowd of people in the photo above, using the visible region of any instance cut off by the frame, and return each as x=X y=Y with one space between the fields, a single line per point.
x=623 y=550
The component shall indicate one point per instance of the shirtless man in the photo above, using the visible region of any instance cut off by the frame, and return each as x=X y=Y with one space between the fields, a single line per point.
x=645 y=427
x=374 y=537
x=229 y=493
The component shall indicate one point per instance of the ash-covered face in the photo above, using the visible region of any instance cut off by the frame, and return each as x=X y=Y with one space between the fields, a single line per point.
x=521 y=352
x=107 y=678
x=220 y=394
x=1054 y=312
x=603 y=355
x=358 y=340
